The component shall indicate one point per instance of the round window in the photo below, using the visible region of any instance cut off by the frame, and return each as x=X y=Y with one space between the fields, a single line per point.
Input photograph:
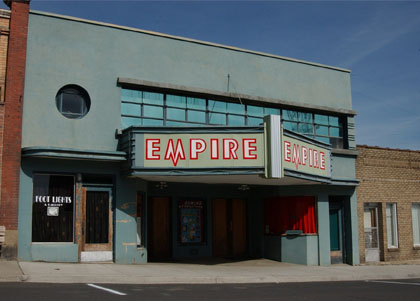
x=73 y=101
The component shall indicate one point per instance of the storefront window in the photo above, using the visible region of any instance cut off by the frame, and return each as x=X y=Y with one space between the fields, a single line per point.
x=191 y=221
x=290 y=213
x=52 y=208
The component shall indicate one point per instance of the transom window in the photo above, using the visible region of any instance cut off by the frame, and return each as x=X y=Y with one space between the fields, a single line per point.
x=142 y=108
x=73 y=101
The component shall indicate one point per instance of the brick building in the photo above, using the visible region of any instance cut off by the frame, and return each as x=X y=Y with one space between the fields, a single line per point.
x=12 y=77
x=389 y=204
x=4 y=41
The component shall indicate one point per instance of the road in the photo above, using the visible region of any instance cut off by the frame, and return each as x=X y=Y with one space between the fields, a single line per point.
x=350 y=290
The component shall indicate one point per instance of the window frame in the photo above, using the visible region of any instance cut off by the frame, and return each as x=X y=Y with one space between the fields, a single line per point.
x=392 y=225
x=79 y=91
x=416 y=224
x=250 y=113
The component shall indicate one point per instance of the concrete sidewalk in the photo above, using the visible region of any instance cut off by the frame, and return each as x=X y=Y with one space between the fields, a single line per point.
x=250 y=271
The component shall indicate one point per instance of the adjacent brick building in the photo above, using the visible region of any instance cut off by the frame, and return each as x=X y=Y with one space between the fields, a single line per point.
x=389 y=203
x=11 y=119
x=4 y=41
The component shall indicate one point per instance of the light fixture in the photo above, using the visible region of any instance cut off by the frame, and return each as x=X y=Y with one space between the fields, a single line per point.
x=161 y=185
x=243 y=187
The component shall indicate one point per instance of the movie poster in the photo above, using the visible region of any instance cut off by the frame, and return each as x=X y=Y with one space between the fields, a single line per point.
x=191 y=215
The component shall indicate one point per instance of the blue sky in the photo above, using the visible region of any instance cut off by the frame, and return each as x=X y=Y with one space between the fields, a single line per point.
x=378 y=40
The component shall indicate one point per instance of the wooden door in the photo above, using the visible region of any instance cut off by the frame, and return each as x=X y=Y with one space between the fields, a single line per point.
x=160 y=235
x=97 y=230
x=220 y=227
x=239 y=243
x=229 y=228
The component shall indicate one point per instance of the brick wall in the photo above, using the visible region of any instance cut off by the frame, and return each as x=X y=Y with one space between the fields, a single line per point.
x=4 y=40
x=389 y=176
x=12 y=130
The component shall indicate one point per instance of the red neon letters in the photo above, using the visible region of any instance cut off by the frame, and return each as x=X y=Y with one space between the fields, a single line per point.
x=303 y=156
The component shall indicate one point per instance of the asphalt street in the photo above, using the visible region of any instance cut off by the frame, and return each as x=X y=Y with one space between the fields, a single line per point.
x=350 y=290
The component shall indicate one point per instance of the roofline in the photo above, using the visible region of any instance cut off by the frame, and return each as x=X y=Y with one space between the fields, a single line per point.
x=173 y=37
x=386 y=148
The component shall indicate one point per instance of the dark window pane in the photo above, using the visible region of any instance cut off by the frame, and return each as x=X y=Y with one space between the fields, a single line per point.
x=97 y=217
x=52 y=208
x=72 y=103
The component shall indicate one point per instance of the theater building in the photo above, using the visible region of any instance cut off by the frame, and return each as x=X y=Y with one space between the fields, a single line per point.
x=389 y=204
x=139 y=146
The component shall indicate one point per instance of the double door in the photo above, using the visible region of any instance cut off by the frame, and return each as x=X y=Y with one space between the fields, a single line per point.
x=229 y=228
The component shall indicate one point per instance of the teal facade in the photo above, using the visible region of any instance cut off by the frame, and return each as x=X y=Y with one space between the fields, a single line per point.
x=105 y=59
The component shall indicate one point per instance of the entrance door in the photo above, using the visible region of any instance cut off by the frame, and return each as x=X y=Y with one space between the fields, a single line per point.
x=370 y=219
x=336 y=233
x=96 y=225
x=160 y=235
x=229 y=228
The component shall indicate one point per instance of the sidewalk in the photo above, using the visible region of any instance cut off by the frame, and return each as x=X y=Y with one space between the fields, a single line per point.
x=250 y=271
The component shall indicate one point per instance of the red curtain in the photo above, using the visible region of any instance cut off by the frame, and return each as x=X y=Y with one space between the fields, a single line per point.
x=290 y=213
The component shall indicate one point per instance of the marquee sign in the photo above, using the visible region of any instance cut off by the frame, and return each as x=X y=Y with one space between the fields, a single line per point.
x=199 y=150
x=304 y=157
x=288 y=151
x=268 y=149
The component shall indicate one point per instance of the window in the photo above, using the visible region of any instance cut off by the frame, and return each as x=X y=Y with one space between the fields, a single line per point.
x=416 y=223
x=290 y=213
x=324 y=128
x=52 y=208
x=73 y=101
x=140 y=220
x=141 y=108
x=391 y=225
x=191 y=221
